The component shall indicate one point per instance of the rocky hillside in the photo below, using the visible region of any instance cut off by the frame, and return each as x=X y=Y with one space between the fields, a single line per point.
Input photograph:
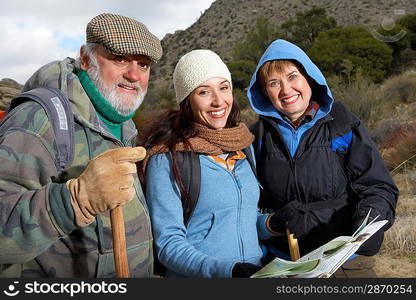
x=227 y=21
x=8 y=90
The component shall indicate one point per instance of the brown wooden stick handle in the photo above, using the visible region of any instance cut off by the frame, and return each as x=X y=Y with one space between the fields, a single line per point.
x=293 y=246
x=119 y=242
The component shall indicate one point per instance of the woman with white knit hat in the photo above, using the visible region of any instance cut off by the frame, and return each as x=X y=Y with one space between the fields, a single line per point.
x=221 y=236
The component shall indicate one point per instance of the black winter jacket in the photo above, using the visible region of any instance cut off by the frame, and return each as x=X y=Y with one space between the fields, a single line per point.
x=330 y=177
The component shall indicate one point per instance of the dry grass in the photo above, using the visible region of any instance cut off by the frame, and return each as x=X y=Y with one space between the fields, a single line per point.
x=248 y=116
x=402 y=153
x=406 y=183
x=360 y=95
x=397 y=257
x=388 y=266
x=401 y=88
x=400 y=239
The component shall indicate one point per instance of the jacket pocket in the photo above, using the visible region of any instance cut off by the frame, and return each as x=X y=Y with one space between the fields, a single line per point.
x=140 y=260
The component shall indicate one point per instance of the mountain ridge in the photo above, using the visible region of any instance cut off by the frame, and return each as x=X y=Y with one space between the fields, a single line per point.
x=221 y=26
x=226 y=22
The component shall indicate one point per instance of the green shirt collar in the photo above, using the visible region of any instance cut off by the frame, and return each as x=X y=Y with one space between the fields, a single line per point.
x=105 y=110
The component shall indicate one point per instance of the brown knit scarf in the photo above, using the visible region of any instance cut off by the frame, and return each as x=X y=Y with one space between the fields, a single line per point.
x=211 y=141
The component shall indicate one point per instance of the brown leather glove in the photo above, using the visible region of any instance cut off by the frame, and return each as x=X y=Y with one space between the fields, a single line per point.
x=106 y=182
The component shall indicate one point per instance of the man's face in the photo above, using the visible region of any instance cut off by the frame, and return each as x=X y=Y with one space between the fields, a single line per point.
x=122 y=80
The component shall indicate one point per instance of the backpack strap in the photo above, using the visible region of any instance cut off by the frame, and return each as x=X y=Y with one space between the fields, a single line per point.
x=59 y=112
x=190 y=170
x=249 y=155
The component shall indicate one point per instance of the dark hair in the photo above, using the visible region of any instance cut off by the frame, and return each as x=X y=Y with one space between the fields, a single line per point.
x=172 y=127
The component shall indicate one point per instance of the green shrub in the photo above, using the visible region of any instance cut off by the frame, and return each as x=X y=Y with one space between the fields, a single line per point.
x=240 y=98
x=331 y=48
x=242 y=71
x=306 y=26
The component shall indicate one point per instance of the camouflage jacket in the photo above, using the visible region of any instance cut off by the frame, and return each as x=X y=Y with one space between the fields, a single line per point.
x=38 y=234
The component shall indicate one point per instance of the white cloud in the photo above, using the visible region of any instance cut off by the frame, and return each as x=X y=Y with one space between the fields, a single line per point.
x=33 y=33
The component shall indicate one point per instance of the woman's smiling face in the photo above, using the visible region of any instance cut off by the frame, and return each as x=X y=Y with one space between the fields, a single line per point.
x=289 y=92
x=211 y=102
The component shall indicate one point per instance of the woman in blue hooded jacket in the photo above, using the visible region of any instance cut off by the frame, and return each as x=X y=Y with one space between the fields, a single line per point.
x=320 y=172
x=221 y=236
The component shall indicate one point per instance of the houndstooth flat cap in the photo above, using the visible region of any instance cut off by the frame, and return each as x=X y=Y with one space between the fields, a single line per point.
x=123 y=36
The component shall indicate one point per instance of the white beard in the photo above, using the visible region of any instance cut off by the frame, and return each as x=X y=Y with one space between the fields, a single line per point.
x=116 y=100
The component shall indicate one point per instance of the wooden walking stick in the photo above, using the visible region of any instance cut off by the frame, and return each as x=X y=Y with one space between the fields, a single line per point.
x=119 y=242
x=293 y=246
x=119 y=232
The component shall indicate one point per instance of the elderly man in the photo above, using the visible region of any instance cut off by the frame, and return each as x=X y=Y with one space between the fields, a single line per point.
x=57 y=224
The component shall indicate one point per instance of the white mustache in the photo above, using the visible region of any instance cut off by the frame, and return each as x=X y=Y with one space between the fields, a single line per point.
x=135 y=85
x=111 y=94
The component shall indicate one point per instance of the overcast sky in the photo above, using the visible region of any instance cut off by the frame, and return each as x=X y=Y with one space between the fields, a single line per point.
x=33 y=33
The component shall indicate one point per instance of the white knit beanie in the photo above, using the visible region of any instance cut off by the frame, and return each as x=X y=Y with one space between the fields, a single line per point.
x=196 y=67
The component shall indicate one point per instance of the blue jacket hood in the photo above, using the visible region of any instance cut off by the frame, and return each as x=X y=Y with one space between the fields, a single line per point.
x=281 y=49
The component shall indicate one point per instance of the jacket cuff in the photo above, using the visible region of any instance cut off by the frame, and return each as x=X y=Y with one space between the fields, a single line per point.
x=61 y=208
x=262 y=228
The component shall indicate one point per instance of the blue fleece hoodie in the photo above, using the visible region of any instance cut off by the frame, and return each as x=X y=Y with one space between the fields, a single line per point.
x=224 y=228
x=281 y=49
